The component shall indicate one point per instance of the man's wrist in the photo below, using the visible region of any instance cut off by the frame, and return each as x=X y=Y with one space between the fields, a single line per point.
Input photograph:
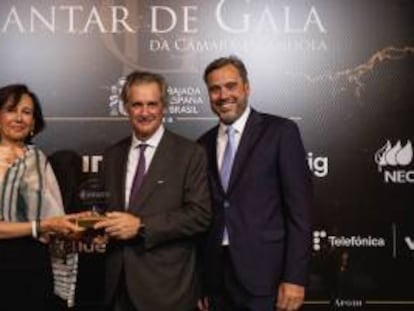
x=141 y=232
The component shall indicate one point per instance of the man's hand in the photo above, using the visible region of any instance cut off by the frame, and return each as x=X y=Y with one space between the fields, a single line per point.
x=120 y=225
x=290 y=297
x=202 y=304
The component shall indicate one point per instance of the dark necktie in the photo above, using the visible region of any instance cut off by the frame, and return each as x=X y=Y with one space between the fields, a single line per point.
x=139 y=173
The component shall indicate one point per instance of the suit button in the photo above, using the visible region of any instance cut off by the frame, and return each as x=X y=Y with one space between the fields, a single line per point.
x=226 y=204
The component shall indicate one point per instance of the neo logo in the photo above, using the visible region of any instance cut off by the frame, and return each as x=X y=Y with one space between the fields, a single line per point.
x=389 y=155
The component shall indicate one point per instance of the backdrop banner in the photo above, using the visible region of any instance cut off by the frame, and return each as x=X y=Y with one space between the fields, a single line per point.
x=343 y=70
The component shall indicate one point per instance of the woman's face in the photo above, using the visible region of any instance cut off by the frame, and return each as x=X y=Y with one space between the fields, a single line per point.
x=17 y=122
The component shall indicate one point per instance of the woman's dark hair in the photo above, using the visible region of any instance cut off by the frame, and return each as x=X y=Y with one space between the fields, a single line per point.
x=14 y=93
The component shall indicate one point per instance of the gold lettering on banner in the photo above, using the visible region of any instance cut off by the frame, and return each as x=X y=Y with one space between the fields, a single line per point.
x=67 y=19
x=12 y=19
x=267 y=20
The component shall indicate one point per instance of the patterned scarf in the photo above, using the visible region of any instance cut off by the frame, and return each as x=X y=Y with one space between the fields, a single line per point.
x=29 y=189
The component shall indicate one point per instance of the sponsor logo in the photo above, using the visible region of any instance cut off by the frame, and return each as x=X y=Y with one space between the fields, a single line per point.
x=183 y=100
x=91 y=163
x=79 y=246
x=317 y=238
x=348 y=303
x=318 y=165
x=403 y=240
x=116 y=104
x=409 y=241
x=321 y=238
x=93 y=195
x=389 y=155
x=391 y=160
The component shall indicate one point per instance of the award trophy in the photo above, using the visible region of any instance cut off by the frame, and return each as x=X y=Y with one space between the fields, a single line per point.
x=87 y=233
x=88 y=222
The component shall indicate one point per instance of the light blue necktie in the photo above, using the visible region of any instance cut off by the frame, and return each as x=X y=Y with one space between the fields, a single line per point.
x=228 y=157
x=225 y=170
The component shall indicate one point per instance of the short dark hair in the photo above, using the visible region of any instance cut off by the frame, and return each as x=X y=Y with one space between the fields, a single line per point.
x=143 y=77
x=224 y=61
x=14 y=93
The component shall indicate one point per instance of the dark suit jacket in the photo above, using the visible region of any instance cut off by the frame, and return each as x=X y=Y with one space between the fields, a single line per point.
x=268 y=206
x=174 y=204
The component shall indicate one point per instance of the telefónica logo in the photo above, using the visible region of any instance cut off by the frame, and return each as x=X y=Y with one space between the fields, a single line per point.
x=317 y=238
x=321 y=238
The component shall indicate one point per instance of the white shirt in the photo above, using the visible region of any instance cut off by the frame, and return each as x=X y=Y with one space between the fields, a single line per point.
x=238 y=126
x=133 y=158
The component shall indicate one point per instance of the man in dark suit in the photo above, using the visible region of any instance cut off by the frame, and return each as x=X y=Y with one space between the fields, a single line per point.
x=159 y=203
x=257 y=251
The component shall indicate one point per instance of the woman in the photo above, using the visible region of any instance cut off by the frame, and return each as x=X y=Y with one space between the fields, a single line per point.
x=30 y=205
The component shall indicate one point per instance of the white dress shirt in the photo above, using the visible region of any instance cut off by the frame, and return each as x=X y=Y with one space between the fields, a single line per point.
x=238 y=126
x=133 y=158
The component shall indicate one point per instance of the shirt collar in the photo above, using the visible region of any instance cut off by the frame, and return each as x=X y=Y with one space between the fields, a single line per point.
x=153 y=141
x=238 y=125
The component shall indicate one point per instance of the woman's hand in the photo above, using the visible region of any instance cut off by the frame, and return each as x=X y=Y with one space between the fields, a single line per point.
x=65 y=225
x=61 y=225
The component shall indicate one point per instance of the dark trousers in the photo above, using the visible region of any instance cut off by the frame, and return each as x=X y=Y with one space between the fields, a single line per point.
x=26 y=281
x=122 y=301
x=25 y=290
x=231 y=294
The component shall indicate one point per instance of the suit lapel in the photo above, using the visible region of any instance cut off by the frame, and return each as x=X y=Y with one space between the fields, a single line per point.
x=251 y=135
x=212 y=158
x=121 y=166
x=156 y=172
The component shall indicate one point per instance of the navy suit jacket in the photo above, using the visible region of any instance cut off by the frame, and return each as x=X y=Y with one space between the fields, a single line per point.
x=266 y=208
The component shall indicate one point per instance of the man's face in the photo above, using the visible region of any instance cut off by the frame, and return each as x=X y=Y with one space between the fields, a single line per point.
x=228 y=93
x=145 y=109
